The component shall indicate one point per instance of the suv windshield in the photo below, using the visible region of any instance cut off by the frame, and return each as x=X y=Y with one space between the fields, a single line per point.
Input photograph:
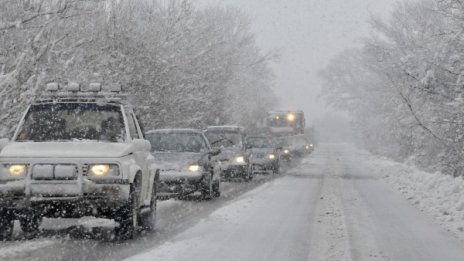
x=177 y=142
x=73 y=121
x=224 y=139
x=259 y=143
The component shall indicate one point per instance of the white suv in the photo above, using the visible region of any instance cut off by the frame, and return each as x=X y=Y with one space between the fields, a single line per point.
x=78 y=154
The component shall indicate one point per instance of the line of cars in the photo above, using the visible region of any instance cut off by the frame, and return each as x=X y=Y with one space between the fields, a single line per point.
x=77 y=154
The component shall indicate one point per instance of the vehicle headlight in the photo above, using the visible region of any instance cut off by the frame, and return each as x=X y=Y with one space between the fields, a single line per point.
x=291 y=117
x=194 y=168
x=307 y=147
x=13 y=171
x=240 y=159
x=103 y=170
x=311 y=145
x=271 y=156
x=286 y=151
x=17 y=170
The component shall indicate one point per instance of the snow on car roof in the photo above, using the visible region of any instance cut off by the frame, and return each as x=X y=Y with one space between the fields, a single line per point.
x=226 y=128
x=101 y=97
x=285 y=112
x=177 y=130
x=259 y=137
x=78 y=101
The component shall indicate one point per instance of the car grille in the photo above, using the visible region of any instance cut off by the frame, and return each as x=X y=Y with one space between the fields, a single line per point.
x=55 y=172
x=260 y=155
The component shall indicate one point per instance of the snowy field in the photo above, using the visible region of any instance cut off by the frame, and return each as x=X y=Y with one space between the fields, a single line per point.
x=339 y=203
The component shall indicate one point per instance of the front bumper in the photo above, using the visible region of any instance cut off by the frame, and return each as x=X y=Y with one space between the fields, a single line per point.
x=176 y=183
x=55 y=188
x=234 y=171
x=64 y=199
x=263 y=165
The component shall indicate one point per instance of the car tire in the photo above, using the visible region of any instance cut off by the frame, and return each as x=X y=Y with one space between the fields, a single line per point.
x=6 y=225
x=30 y=222
x=276 y=169
x=148 y=220
x=217 y=189
x=128 y=216
x=207 y=191
x=249 y=174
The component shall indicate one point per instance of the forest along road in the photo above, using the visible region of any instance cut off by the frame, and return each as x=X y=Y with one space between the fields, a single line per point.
x=329 y=207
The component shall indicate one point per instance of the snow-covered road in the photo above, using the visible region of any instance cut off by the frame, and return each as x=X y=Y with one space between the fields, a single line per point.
x=333 y=205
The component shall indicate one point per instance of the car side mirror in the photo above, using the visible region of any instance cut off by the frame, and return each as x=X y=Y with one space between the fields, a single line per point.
x=142 y=145
x=3 y=143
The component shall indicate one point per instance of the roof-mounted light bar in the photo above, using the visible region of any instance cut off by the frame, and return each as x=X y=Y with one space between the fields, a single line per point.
x=112 y=88
x=74 y=87
x=52 y=87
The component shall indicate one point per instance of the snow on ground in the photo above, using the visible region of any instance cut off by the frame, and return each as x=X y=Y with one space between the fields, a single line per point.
x=24 y=249
x=237 y=231
x=334 y=206
x=438 y=195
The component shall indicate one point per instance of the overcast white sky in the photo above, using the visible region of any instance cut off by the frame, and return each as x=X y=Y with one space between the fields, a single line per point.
x=307 y=34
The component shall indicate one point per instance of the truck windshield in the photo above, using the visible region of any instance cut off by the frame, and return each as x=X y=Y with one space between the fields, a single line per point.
x=72 y=121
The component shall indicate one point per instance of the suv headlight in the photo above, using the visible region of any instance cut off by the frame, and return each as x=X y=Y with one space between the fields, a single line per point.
x=103 y=170
x=240 y=159
x=271 y=156
x=13 y=171
x=286 y=151
x=194 y=168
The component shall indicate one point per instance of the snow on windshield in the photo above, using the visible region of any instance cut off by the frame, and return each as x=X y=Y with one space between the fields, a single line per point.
x=177 y=142
x=72 y=121
x=224 y=139
x=259 y=142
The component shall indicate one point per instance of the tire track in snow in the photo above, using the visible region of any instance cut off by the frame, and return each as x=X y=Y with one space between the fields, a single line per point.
x=330 y=240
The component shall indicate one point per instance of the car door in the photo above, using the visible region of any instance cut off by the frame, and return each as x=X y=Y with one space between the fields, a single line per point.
x=143 y=158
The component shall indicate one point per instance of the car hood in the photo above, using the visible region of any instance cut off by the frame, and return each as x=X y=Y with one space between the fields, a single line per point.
x=176 y=160
x=66 y=150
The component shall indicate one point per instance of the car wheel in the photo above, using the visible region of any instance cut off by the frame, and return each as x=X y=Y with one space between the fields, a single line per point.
x=250 y=173
x=207 y=191
x=217 y=189
x=128 y=216
x=148 y=220
x=30 y=222
x=276 y=169
x=6 y=225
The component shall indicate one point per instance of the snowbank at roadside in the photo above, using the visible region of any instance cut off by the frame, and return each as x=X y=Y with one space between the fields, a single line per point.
x=439 y=195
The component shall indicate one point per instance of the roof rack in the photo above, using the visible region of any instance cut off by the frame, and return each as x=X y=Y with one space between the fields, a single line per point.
x=74 y=92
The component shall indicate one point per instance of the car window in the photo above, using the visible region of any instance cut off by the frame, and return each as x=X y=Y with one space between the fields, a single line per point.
x=177 y=142
x=259 y=143
x=219 y=139
x=132 y=126
x=72 y=121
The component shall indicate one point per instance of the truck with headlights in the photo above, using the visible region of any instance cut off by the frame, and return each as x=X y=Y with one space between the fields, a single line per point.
x=235 y=158
x=285 y=123
x=78 y=154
